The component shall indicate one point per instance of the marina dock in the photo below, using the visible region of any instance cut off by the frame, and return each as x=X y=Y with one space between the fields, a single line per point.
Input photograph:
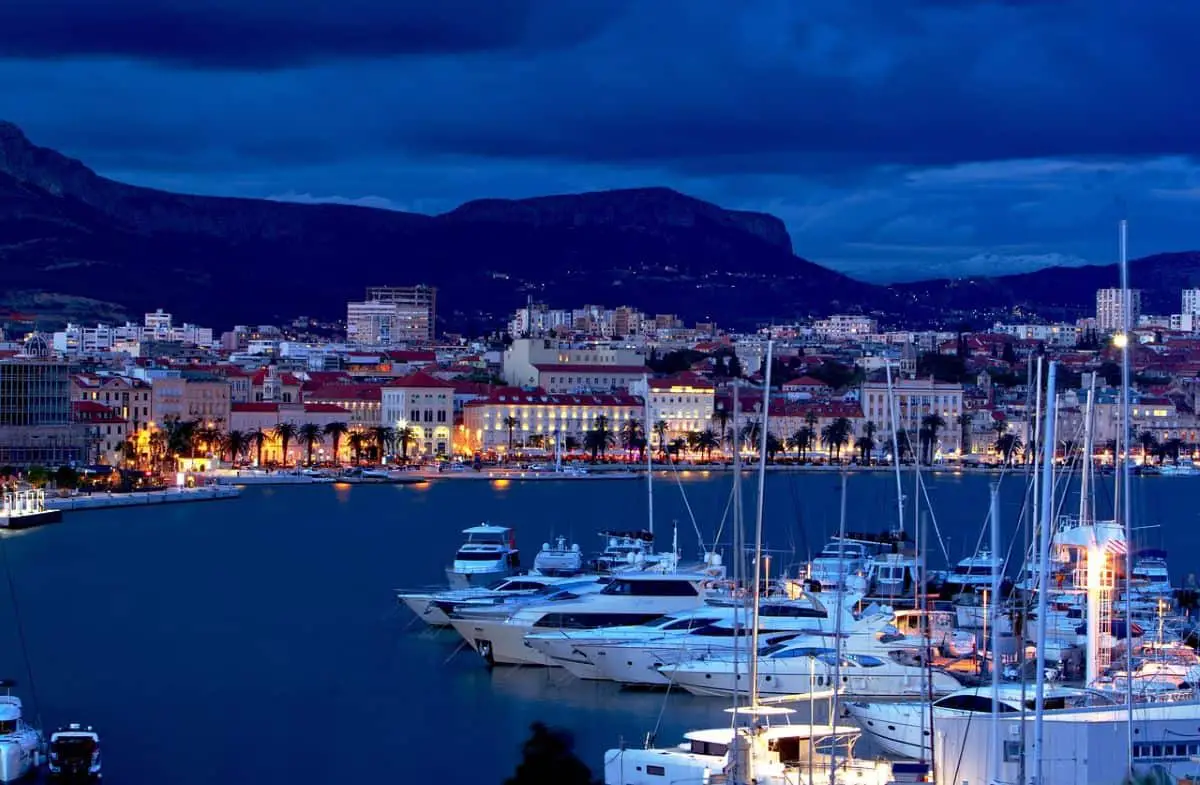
x=98 y=501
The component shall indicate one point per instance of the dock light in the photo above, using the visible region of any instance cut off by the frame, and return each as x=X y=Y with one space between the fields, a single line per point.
x=1120 y=340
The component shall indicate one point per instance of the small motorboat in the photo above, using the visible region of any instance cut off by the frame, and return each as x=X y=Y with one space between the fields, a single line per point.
x=20 y=743
x=75 y=754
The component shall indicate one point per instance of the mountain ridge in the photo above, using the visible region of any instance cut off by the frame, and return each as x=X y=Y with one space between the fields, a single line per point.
x=66 y=230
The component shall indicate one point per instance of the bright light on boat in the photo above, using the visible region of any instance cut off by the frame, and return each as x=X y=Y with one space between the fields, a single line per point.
x=1120 y=340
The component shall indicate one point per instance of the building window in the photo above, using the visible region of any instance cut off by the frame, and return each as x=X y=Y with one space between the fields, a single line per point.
x=441 y=416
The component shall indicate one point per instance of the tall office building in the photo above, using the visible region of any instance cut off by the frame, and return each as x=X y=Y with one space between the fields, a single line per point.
x=1191 y=302
x=1110 y=309
x=393 y=315
x=36 y=426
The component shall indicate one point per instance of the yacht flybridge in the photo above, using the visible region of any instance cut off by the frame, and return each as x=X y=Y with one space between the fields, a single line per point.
x=490 y=552
x=20 y=743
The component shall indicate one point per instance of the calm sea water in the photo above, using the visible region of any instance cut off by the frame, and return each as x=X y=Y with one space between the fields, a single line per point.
x=258 y=640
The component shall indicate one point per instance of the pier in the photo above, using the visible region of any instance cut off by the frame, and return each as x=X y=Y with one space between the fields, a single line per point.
x=98 y=501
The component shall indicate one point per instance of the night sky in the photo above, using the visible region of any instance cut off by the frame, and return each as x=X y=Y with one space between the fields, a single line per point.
x=897 y=138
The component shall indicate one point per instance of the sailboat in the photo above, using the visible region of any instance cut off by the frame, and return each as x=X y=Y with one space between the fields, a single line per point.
x=752 y=749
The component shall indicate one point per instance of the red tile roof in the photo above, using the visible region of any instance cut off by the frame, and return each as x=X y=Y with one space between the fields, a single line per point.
x=257 y=406
x=344 y=392
x=806 y=381
x=685 y=379
x=285 y=379
x=325 y=408
x=93 y=412
x=420 y=379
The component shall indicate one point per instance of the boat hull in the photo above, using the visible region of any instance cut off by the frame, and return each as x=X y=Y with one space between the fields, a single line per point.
x=425 y=609
x=499 y=642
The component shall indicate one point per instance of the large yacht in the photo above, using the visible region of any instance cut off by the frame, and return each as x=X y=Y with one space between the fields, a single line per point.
x=782 y=754
x=629 y=654
x=630 y=598
x=902 y=729
x=434 y=607
x=490 y=552
x=805 y=665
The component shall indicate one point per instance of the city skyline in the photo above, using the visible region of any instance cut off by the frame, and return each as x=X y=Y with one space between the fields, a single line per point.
x=932 y=138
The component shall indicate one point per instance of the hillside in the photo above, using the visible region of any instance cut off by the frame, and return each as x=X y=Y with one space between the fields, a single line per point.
x=66 y=230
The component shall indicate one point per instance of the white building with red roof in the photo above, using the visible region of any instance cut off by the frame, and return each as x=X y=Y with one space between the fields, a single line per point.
x=543 y=414
x=560 y=367
x=684 y=402
x=425 y=405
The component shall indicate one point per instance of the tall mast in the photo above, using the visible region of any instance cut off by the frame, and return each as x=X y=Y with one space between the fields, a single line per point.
x=1031 y=529
x=837 y=629
x=647 y=429
x=993 y=624
x=1047 y=513
x=758 y=527
x=1127 y=500
x=894 y=415
x=739 y=544
x=1086 y=518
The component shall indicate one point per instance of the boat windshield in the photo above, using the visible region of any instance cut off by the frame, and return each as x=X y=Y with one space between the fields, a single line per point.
x=478 y=556
x=8 y=726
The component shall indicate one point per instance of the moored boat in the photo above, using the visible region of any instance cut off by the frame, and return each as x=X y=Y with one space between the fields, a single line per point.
x=490 y=552
x=74 y=754
x=20 y=742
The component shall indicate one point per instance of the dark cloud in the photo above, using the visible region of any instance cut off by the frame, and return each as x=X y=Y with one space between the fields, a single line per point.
x=889 y=136
x=281 y=33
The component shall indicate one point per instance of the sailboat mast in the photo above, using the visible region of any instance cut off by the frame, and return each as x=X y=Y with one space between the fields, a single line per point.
x=1032 y=522
x=994 y=623
x=1127 y=498
x=894 y=415
x=837 y=628
x=758 y=526
x=647 y=429
x=1086 y=517
x=739 y=545
x=1047 y=513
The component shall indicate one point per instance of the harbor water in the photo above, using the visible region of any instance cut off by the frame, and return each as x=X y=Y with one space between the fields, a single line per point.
x=259 y=640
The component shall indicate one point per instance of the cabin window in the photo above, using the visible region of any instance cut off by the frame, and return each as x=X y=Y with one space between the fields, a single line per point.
x=8 y=726
x=1012 y=751
x=708 y=748
x=651 y=588
x=657 y=771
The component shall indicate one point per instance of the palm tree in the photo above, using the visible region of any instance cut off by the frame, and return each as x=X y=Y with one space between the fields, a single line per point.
x=511 y=423
x=310 y=435
x=931 y=424
x=599 y=438
x=406 y=436
x=257 y=438
x=631 y=434
x=1148 y=441
x=129 y=452
x=811 y=419
x=677 y=445
x=843 y=432
x=570 y=443
x=721 y=417
x=285 y=432
x=865 y=446
x=693 y=441
x=964 y=421
x=358 y=441
x=181 y=436
x=708 y=442
x=774 y=446
x=1007 y=445
x=335 y=431
x=802 y=440
x=903 y=445
x=1172 y=447
x=237 y=442
x=660 y=430
x=214 y=440
x=383 y=438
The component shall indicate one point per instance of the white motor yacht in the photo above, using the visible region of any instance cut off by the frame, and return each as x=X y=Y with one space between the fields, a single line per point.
x=434 y=607
x=20 y=743
x=637 y=649
x=805 y=665
x=781 y=754
x=839 y=560
x=1150 y=577
x=902 y=729
x=490 y=552
x=630 y=598
x=560 y=559
x=1184 y=468
x=973 y=573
